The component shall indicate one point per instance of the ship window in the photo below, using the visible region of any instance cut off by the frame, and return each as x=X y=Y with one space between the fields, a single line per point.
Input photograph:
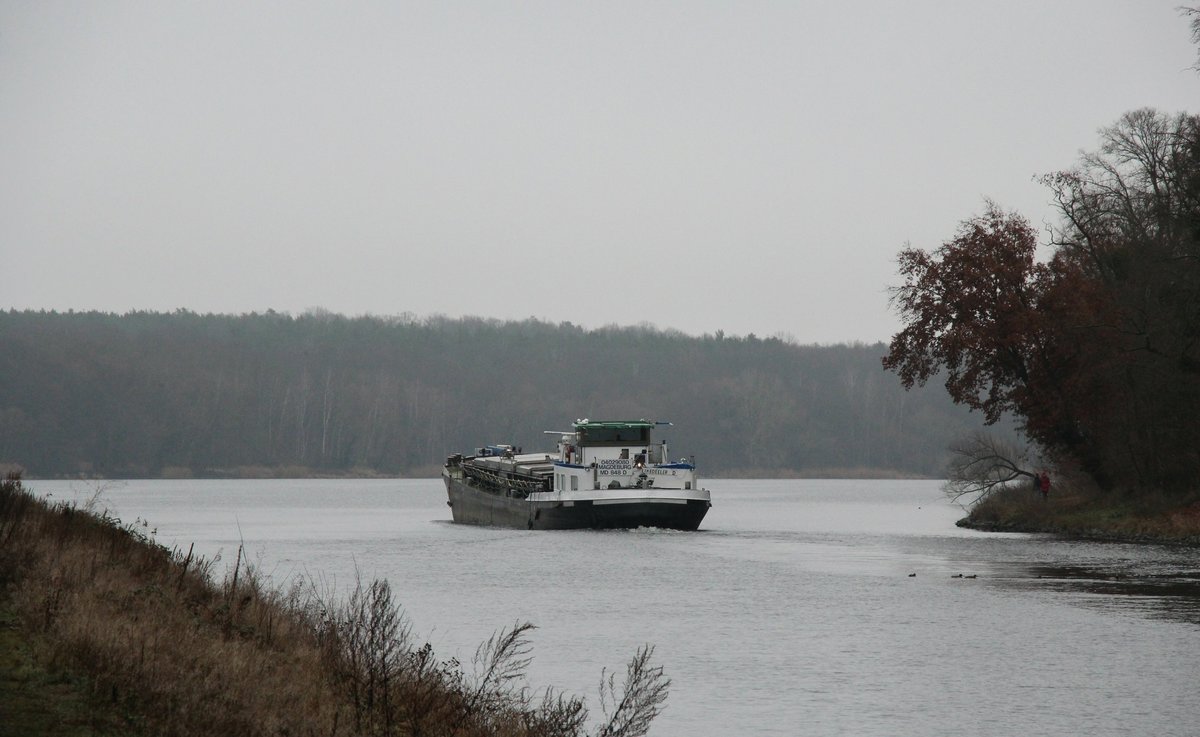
x=574 y=483
x=612 y=435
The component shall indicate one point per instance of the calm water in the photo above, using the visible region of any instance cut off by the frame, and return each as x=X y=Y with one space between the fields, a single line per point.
x=792 y=612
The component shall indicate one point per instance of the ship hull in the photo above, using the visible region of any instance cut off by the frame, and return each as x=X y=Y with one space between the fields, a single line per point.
x=470 y=504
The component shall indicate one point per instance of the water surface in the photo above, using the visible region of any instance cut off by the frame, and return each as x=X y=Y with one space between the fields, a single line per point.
x=793 y=611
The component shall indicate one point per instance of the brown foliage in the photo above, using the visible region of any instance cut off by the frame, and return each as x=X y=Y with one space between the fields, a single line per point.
x=970 y=307
x=1096 y=350
x=984 y=311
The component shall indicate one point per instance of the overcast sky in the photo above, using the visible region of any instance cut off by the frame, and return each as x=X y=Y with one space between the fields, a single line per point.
x=701 y=166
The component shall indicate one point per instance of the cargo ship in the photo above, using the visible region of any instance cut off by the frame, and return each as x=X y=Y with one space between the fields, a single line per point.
x=602 y=475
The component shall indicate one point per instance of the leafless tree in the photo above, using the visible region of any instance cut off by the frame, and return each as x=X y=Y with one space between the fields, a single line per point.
x=983 y=464
x=1193 y=16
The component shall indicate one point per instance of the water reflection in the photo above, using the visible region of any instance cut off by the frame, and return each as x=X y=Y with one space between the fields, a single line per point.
x=1161 y=589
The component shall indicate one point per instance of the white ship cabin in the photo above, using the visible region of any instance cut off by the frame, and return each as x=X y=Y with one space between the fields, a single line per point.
x=618 y=455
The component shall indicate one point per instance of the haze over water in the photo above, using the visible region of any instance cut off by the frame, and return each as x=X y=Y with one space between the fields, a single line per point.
x=792 y=611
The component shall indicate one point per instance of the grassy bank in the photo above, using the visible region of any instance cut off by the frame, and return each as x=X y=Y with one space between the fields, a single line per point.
x=97 y=619
x=39 y=700
x=1082 y=513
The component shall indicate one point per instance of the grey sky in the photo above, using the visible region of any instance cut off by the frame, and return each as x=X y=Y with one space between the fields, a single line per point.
x=743 y=166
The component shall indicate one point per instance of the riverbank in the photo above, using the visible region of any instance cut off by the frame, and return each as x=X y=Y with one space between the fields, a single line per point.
x=94 y=612
x=1115 y=517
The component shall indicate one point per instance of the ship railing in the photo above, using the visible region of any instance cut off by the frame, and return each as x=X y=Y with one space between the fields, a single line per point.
x=487 y=477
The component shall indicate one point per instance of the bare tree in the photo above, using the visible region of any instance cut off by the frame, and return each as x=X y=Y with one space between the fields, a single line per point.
x=1193 y=16
x=983 y=464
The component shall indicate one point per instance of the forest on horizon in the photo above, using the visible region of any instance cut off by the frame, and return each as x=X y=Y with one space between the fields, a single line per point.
x=144 y=395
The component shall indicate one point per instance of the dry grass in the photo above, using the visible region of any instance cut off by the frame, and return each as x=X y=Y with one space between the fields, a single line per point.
x=175 y=653
x=1076 y=509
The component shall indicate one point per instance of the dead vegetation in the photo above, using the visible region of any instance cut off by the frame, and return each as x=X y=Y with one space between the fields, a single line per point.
x=1076 y=508
x=173 y=652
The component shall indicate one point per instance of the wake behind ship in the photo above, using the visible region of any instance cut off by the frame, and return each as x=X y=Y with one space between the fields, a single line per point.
x=602 y=475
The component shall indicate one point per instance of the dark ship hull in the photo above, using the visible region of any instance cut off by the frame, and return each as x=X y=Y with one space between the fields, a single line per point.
x=470 y=504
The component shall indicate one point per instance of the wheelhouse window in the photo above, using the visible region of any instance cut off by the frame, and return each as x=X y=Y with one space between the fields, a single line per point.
x=610 y=435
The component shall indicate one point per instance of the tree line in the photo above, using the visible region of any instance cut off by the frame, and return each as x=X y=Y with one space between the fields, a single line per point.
x=145 y=394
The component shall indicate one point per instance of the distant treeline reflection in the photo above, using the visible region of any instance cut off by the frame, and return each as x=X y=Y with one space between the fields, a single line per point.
x=151 y=394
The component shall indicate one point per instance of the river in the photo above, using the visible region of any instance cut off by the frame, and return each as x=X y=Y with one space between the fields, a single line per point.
x=793 y=611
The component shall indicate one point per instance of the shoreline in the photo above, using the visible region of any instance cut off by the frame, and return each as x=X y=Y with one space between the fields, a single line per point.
x=1088 y=535
x=1114 y=518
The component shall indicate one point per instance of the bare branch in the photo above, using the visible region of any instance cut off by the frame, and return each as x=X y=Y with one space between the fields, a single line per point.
x=982 y=464
x=501 y=662
x=645 y=689
x=1193 y=14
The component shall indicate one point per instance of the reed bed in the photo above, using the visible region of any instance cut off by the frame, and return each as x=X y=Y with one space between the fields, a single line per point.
x=173 y=651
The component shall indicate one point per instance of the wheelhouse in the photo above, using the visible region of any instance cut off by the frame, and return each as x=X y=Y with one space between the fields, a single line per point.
x=618 y=454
